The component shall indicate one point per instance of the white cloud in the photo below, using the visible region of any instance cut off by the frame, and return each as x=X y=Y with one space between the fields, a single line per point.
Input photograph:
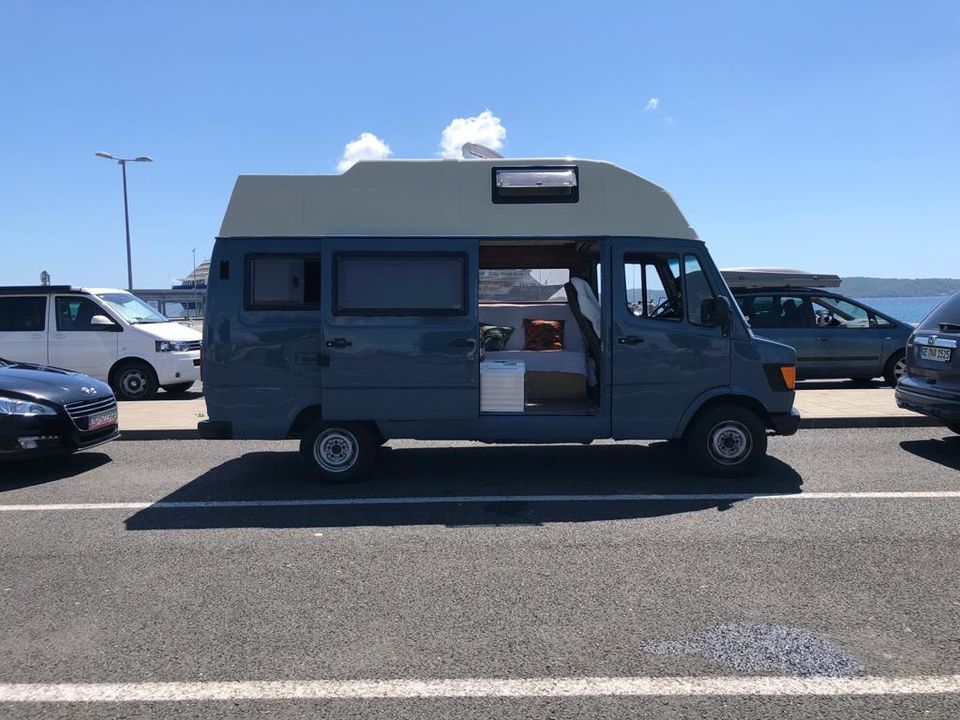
x=485 y=129
x=653 y=103
x=366 y=147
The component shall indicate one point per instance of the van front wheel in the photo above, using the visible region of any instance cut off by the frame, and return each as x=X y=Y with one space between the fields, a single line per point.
x=727 y=441
x=337 y=452
x=134 y=381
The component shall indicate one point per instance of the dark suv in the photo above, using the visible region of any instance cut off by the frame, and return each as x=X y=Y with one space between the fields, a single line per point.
x=931 y=384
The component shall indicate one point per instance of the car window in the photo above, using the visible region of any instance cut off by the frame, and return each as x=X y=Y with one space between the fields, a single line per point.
x=654 y=289
x=780 y=311
x=945 y=317
x=833 y=312
x=23 y=314
x=74 y=314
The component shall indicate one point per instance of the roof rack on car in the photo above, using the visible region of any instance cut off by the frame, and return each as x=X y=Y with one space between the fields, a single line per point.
x=20 y=289
x=762 y=277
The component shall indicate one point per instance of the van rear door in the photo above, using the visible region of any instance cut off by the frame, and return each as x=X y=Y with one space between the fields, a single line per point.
x=664 y=357
x=400 y=329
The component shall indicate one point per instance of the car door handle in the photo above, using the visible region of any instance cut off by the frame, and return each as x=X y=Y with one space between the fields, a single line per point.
x=630 y=340
x=462 y=342
x=338 y=343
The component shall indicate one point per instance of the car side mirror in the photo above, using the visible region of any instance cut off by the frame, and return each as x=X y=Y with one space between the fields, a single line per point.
x=715 y=312
x=104 y=324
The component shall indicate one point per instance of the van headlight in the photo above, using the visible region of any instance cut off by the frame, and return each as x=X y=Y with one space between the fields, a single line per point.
x=172 y=346
x=23 y=408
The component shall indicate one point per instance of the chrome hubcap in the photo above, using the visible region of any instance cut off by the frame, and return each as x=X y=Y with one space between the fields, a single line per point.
x=133 y=383
x=730 y=442
x=335 y=450
x=900 y=368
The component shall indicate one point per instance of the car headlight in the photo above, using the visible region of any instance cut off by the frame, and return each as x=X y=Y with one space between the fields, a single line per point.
x=172 y=346
x=24 y=408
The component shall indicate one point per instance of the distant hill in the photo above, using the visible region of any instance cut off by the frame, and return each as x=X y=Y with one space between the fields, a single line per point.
x=870 y=287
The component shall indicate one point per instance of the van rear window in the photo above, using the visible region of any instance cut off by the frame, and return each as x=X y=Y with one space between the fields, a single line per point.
x=945 y=317
x=23 y=314
x=283 y=282
x=400 y=283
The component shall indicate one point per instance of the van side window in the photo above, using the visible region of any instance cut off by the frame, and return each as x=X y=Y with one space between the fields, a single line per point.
x=23 y=314
x=74 y=314
x=283 y=282
x=654 y=288
x=400 y=283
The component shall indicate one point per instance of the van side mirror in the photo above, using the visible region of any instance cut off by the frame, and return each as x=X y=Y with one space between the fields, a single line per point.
x=715 y=312
x=104 y=324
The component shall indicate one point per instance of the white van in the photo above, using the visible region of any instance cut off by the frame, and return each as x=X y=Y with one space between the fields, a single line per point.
x=106 y=333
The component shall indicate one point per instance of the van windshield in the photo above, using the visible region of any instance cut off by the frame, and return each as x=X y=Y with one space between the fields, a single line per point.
x=131 y=308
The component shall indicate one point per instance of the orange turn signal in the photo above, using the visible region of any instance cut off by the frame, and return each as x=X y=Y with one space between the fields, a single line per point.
x=789 y=373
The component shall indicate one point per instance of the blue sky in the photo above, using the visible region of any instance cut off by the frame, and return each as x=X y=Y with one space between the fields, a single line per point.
x=821 y=135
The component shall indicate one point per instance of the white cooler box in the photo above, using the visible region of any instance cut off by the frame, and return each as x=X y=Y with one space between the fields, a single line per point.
x=501 y=385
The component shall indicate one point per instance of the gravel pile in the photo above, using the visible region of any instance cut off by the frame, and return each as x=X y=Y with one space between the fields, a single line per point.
x=752 y=648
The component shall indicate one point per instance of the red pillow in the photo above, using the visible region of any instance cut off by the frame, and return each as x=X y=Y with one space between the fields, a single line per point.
x=543 y=334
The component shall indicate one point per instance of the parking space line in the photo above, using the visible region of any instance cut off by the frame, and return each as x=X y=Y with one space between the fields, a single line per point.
x=467 y=499
x=474 y=688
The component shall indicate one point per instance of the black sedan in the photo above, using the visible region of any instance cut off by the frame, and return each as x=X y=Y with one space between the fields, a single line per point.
x=48 y=411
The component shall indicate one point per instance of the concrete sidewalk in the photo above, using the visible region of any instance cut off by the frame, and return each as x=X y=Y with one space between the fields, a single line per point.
x=821 y=405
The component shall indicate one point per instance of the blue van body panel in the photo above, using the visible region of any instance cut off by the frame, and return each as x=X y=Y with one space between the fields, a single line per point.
x=418 y=377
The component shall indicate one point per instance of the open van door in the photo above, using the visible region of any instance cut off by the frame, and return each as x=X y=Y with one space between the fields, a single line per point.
x=400 y=329
x=666 y=350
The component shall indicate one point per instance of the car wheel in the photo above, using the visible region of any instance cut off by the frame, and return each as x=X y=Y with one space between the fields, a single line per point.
x=727 y=441
x=134 y=381
x=954 y=427
x=337 y=452
x=895 y=368
x=178 y=389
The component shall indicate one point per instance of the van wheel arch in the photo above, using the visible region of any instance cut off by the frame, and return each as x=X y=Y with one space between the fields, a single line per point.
x=312 y=413
x=744 y=401
x=120 y=365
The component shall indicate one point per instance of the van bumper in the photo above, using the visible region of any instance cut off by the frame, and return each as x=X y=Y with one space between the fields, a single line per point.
x=215 y=429
x=785 y=423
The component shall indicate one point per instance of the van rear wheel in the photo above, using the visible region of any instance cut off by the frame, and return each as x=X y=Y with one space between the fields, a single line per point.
x=727 y=441
x=337 y=452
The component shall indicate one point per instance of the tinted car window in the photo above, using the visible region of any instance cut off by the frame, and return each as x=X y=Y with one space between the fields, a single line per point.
x=947 y=313
x=23 y=314
x=780 y=311
x=408 y=284
x=74 y=313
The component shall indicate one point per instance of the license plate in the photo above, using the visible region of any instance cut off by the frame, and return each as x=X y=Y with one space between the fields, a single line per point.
x=102 y=419
x=936 y=354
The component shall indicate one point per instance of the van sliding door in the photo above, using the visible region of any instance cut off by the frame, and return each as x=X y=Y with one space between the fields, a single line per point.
x=400 y=329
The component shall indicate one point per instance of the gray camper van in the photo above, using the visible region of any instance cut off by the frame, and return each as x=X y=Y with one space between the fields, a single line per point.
x=533 y=301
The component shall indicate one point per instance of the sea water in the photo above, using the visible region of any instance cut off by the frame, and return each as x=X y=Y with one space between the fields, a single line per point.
x=908 y=309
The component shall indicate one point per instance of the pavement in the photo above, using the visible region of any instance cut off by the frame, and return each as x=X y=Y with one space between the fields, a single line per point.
x=209 y=579
x=821 y=405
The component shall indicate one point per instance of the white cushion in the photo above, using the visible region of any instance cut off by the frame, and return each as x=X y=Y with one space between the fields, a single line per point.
x=513 y=315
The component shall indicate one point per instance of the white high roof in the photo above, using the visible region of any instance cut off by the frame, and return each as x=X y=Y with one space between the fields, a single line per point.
x=447 y=198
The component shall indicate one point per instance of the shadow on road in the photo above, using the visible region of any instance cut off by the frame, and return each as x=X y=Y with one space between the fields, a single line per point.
x=501 y=473
x=16 y=474
x=945 y=451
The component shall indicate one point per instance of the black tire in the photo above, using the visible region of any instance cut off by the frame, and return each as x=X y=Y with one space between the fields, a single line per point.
x=134 y=381
x=727 y=441
x=178 y=389
x=954 y=427
x=895 y=367
x=337 y=452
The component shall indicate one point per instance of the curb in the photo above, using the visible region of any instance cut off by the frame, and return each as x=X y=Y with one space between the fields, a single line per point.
x=816 y=423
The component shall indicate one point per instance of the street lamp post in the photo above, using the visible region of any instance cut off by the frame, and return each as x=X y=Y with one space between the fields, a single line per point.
x=126 y=213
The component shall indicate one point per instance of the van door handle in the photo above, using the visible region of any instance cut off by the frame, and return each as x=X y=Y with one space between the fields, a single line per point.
x=462 y=342
x=823 y=339
x=630 y=340
x=339 y=343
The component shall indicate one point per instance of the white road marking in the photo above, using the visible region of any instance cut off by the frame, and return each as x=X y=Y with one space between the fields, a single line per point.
x=474 y=688
x=468 y=499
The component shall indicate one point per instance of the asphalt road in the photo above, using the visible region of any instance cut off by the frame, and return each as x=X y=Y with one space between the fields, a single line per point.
x=212 y=585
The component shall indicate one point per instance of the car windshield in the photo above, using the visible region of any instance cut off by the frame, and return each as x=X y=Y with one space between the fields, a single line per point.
x=945 y=317
x=131 y=308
